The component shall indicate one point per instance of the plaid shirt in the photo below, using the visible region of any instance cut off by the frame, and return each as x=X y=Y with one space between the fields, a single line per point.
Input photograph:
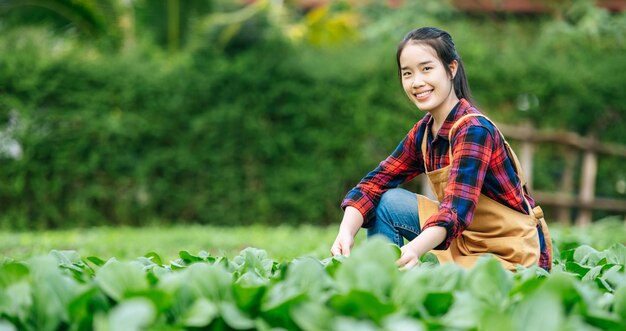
x=481 y=165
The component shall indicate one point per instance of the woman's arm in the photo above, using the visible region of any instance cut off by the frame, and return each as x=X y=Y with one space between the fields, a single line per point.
x=350 y=225
x=426 y=241
x=402 y=165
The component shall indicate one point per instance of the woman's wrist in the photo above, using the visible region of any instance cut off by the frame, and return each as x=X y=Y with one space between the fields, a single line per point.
x=428 y=240
x=351 y=222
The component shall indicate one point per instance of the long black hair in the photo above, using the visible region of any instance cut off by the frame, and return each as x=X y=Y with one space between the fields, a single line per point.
x=443 y=45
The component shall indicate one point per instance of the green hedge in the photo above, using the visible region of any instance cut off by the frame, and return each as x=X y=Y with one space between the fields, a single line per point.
x=273 y=134
x=125 y=139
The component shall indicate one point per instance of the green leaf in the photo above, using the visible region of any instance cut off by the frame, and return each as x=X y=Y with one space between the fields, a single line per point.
x=52 y=291
x=619 y=303
x=234 y=317
x=568 y=255
x=541 y=310
x=6 y=326
x=396 y=249
x=189 y=258
x=12 y=272
x=494 y=321
x=615 y=276
x=331 y=264
x=361 y=304
x=208 y=281
x=490 y=282
x=342 y=323
x=374 y=257
x=281 y=296
x=255 y=262
x=568 y=289
x=133 y=314
x=466 y=311
x=402 y=323
x=308 y=275
x=96 y=260
x=201 y=313
x=311 y=316
x=118 y=279
x=577 y=269
x=248 y=297
x=154 y=257
x=277 y=306
x=83 y=307
x=593 y=273
x=438 y=303
x=616 y=254
x=604 y=321
x=587 y=256
x=66 y=258
x=415 y=284
x=429 y=258
x=16 y=300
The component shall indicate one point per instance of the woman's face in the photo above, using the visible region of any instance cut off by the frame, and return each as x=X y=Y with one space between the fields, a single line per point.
x=425 y=80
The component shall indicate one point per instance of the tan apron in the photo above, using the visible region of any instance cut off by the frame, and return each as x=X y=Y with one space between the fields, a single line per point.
x=509 y=235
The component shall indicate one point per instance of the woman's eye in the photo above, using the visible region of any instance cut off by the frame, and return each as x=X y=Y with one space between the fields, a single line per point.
x=406 y=73
x=427 y=68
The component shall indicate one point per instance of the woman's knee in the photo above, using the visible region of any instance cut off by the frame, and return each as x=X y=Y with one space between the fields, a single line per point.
x=390 y=201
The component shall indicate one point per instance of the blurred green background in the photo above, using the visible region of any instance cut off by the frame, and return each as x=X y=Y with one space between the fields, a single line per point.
x=138 y=112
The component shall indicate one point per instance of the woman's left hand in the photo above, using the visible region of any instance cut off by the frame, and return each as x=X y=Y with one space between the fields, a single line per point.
x=409 y=257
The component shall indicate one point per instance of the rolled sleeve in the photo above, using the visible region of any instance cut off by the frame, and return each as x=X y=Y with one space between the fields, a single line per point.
x=355 y=198
x=401 y=166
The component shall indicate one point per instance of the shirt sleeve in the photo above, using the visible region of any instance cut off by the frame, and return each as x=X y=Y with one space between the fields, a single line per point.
x=472 y=149
x=401 y=166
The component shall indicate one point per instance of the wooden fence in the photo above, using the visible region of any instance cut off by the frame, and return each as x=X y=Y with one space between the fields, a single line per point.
x=572 y=144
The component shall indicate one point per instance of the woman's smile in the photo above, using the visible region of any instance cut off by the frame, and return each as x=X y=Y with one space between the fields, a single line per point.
x=423 y=95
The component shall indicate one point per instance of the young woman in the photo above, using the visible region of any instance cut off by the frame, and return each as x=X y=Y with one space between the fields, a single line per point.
x=483 y=206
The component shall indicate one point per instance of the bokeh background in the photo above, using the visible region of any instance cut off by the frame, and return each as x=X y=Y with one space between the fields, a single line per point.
x=237 y=113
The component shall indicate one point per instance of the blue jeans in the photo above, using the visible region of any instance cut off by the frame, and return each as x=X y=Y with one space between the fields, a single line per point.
x=396 y=216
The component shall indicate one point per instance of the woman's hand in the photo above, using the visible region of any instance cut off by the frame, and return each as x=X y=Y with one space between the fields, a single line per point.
x=350 y=224
x=409 y=257
x=424 y=242
x=343 y=244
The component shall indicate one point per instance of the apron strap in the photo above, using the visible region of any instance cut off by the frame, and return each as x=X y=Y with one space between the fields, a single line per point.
x=424 y=138
x=510 y=152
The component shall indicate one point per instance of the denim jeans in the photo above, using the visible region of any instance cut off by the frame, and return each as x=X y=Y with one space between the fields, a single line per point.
x=396 y=216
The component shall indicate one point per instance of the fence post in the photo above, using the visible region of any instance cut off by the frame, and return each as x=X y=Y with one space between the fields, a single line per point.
x=527 y=162
x=587 y=187
x=567 y=183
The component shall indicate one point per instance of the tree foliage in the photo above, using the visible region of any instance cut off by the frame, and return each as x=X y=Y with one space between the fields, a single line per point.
x=247 y=125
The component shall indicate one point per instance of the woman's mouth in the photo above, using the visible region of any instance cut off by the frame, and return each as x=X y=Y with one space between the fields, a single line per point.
x=423 y=95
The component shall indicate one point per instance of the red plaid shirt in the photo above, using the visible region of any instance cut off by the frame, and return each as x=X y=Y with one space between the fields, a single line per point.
x=480 y=165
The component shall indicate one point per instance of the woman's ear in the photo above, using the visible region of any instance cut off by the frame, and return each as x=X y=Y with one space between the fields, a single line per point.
x=454 y=65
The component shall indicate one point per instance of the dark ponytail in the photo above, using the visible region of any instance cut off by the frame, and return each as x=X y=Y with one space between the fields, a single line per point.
x=443 y=45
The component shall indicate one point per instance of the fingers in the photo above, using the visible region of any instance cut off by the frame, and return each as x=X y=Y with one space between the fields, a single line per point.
x=407 y=261
x=411 y=264
x=345 y=250
x=335 y=250
x=339 y=249
x=403 y=260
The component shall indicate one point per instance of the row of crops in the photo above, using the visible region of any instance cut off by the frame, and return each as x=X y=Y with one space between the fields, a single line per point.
x=62 y=291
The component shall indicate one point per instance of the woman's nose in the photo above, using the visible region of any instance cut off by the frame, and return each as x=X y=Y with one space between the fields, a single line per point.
x=417 y=82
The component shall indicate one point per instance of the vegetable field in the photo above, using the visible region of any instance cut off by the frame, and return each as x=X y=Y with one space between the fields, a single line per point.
x=63 y=291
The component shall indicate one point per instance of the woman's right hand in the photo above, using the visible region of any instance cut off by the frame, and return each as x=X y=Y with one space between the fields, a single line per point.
x=350 y=224
x=343 y=244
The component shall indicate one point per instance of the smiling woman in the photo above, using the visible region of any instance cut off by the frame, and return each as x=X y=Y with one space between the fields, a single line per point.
x=483 y=206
